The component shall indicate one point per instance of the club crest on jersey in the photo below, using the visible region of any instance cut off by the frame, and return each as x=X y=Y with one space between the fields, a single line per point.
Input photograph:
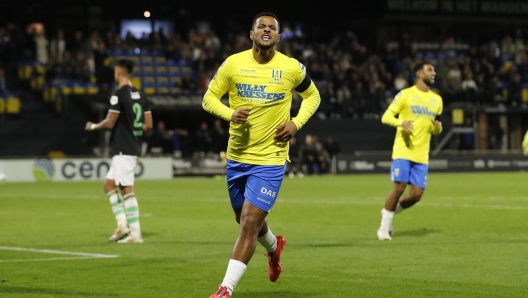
x=113 y=100
x=432 y=100
x=276 y=74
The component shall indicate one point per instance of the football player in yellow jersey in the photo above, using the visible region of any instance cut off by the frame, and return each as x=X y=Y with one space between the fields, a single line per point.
x=418 y=109
x=525 y=144
x=259 y=82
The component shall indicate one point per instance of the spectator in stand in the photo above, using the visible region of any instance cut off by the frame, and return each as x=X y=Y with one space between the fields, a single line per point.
x=58 y=45
x=470 y=88
x=294 y=153
x=400 y=82
x=203 y=140
x=3 y=82
x=310 y=156
x=188 y=84
x=76 y=44
x=515 y=88
x=220 y=137
x=332 y=147
x=42 y=44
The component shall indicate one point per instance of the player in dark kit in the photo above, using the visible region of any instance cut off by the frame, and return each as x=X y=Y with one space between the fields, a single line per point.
x=129 y=117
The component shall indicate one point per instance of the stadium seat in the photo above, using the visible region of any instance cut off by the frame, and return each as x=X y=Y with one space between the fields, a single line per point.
x=162 y=80
x=2 y=104
x=175 y=81
x=174 y=70
x=175 y=90
x=136 y=82
x=524 y=95
x=91 y=88
x=161 y=71
x=13 y=104
x=66 y=87
x=147 y=60
x=147 y=71
x=78 y=88
x=160 y=61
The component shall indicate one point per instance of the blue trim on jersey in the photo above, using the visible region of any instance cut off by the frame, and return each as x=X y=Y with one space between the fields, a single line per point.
x=257 y=184
x=403 y=170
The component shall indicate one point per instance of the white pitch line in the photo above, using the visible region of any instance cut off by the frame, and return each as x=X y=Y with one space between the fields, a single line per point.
x=41 y=260
x=80 y=255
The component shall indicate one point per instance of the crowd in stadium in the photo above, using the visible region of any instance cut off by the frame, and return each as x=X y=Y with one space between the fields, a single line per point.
x=354 y=80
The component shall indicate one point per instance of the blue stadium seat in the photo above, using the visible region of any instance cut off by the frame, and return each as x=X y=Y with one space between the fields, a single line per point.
x=174 y=70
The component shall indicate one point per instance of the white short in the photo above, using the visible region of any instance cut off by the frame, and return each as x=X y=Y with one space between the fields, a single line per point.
x=122 y=170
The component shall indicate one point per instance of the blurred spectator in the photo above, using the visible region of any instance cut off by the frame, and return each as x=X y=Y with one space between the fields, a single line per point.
x=294 y=153
x=159 y=138
x=469 y=86
x=220 y=137
x=400 y=82
x=188 y=83
x=204 y=140
x=467 y=140
x=3 y=82
x=58 y=45
x=332 y=147
x=41 y=44
x=515 y=91
x=310 y=156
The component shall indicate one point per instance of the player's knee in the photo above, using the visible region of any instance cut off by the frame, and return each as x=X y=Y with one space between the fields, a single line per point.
x=249 y=224
x=416 y=197
x=399 y=188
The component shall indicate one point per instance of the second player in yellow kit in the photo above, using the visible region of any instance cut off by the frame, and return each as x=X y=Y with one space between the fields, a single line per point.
x=417 y=109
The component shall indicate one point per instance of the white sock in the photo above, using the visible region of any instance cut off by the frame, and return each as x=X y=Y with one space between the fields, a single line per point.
x=386 y=219
x=117 y=207
x=399 y=209
x=269 y=241
x=132 y=213
x=235 y=270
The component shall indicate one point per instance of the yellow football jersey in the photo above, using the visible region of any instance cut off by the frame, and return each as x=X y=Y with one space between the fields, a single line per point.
x=420 y=107
x=267 y=90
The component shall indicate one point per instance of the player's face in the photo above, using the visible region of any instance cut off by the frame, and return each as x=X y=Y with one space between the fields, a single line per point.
x=428 y=74
x=265 y=33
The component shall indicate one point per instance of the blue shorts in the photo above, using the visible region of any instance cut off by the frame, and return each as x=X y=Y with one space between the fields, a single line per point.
x=259 y=185
x=403 y=170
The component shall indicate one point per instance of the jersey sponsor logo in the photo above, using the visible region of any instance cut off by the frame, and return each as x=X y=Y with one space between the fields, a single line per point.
x=422 y=110
x=276 y=74
x=268 y=192
x=135 y=95
x=257 y=91
x=114 y=100
x=248 y=70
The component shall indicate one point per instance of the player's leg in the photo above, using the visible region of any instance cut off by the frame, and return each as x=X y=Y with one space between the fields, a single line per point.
x=260 y=194
x=117 y=207
x=400 y=171
x=418 y=182
x=124 y=174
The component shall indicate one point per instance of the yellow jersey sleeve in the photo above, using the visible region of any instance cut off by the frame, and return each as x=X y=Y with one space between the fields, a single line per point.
x=218 y=86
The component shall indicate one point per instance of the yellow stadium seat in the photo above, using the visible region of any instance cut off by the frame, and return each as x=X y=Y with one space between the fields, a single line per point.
x=161 y=60
x=136 y=82
x=79 y=89
x=525 y=95
x=92 y=89
x=2 y=105
x=13 y=105
x=175 y=90
x=56 y=154
x=149 y=91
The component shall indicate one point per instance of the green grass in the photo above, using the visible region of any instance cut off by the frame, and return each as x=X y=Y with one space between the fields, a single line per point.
x=467 y=238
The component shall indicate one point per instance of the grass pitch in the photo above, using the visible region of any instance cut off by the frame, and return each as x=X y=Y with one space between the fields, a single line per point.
x=467 y=238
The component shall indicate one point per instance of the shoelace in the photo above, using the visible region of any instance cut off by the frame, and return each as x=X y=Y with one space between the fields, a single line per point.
x=222 y=292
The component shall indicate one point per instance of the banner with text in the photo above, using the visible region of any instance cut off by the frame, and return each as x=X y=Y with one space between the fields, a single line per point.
x=440 y=163
x=78 y=169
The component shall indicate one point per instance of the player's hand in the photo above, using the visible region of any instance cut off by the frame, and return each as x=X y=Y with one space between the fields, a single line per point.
x=408 y=126
x=240 y=116
x=88 y=125
x=437 y=124
x=285 y=132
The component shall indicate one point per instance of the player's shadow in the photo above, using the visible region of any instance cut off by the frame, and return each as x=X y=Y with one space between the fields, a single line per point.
x=283 y=294
x=148 y=234
x=416 y=232
x=45 y=291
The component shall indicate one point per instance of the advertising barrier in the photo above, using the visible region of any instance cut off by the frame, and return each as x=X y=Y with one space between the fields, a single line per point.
x=78 y=169
x=440 y=163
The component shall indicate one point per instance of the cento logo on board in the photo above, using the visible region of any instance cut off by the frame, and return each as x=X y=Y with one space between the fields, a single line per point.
x=43 y=170
x=75 y=169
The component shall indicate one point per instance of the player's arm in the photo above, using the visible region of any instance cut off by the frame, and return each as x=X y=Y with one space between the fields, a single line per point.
x=147 y=125
x=111 y=116
x=107 y=123
x=389 y=117
x=437 y=123
x=217 y=88
x=310 y=103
